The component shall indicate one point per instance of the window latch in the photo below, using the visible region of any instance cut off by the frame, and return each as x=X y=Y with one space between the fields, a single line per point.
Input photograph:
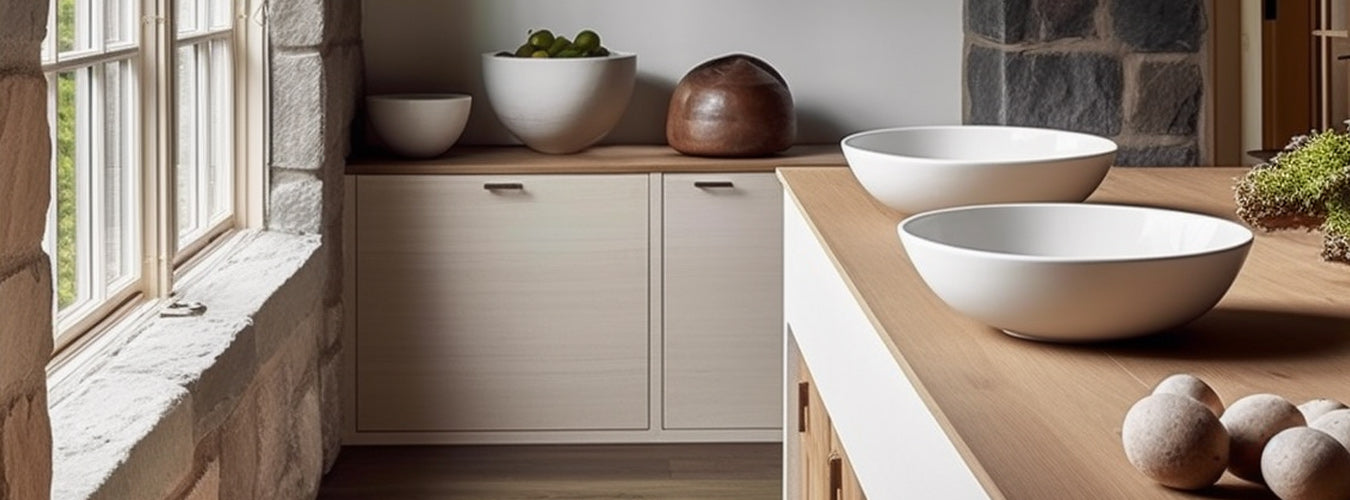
x=181 y=309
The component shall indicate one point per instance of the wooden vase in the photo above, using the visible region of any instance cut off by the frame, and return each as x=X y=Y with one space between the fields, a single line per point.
x=732 y=106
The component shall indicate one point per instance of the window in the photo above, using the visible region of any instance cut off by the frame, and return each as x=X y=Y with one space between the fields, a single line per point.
x=146 y=110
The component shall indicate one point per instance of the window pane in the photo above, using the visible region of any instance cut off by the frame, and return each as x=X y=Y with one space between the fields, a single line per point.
x=72 y=25
x=187 y=144
x=185 y=15
x=121 y=240
x=71 y=151
x=220 y=185
x=221 y=17
x=117 y=16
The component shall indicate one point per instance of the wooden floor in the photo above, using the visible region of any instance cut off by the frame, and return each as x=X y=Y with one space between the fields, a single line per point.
x=661 y=471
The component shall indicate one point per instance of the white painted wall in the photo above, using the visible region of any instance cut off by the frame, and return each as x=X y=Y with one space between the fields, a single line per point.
x=851 y=64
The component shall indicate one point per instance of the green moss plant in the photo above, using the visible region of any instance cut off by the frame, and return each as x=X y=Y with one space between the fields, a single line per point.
x=1306 y=186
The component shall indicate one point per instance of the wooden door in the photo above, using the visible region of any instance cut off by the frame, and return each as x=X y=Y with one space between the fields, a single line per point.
x=723 y=281
x=1288 y=71
x=488 y=303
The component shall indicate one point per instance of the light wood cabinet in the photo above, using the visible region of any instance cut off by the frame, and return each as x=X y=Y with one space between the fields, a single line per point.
x=723 y=303
x=490 y=303
x=543 y=308
x=824 y=471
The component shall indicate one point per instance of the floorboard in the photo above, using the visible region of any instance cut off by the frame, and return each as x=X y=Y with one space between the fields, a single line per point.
x=656 y=471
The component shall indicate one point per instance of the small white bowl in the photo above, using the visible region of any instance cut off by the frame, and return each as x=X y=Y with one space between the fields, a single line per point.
x=559 y=106
x=916 y=169
x=419 y=125
x=1073 y=272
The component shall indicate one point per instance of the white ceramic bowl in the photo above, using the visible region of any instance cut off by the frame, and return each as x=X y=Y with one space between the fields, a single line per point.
x=419 y=125
x=559 y=106
x=915 y=169
x=1076 y=272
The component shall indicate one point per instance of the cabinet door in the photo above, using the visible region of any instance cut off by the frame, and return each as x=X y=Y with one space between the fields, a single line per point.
x=489 y=303
x=723 y=282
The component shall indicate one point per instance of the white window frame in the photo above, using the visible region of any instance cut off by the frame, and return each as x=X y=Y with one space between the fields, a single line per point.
x=162 y=264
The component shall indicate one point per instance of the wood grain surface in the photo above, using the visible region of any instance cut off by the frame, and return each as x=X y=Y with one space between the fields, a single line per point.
x=596 y=160
x=1037 y=420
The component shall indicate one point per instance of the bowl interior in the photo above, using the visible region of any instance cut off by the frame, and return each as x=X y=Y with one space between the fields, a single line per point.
x=1077 y=232
x=980 y=143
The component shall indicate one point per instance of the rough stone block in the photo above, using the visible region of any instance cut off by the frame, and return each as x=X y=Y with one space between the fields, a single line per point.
x=290 y=453
x=23 y=24
x=295 y=307
x=26 y=340
x=25 y=446
x=344 y=21
x=25 y=170
x=296 y=202
x=239 y=449
x=214 y=363
x=1066 y=90
x=299 y=94
x=1159 y=25
x=330 y=408
x=122 y=436
x=207 y=486
x=1187 y=154
x=1169 y=98
x=1003 y=21
x=330 y=338
x=299 y=23
x=1056 y=19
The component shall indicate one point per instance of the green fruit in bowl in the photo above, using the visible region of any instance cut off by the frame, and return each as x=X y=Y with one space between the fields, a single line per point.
x=587 y=41
x=559 y=44
x=542 y=39
x=524 y=50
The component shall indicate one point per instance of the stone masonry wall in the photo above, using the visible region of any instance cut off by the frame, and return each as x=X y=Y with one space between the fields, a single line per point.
x=1131 y=70
x=317 y=68
x=25 y=271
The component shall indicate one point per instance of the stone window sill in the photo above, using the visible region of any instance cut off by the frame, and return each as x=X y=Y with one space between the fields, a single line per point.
x=125 y=425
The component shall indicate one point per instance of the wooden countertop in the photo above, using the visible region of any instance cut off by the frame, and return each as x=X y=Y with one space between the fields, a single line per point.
x=1042 y=421
x=596 y=160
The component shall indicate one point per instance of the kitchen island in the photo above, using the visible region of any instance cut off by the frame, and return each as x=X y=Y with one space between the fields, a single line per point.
x=921 y=402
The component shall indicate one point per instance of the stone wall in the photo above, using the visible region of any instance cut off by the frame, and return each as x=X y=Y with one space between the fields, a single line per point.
x=317 y=75
x=25 y=271
x=1131 y=70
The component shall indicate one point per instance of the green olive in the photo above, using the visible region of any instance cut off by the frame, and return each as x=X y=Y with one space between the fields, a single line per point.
x=542 y=39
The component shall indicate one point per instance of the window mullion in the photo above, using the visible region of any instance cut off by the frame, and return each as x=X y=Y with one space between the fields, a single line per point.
x=83 y=163
x=202 y=91
x=97 y=184
x=157 y=148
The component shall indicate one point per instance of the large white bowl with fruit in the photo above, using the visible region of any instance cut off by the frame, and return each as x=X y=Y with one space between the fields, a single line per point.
x=563 y=98
x=914 y=169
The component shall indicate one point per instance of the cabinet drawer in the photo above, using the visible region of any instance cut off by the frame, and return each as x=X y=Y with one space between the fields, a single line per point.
x=723 y=317
x=496 y=303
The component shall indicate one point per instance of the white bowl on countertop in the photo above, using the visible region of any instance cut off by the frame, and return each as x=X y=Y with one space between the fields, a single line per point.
x=418 y=125
x=1074 y=272
x=559 y=105
x=916 y=169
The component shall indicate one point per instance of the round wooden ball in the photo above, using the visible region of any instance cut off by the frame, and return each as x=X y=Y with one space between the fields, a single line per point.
x=1302 y=463
x=732 y=106
x=1251 y=422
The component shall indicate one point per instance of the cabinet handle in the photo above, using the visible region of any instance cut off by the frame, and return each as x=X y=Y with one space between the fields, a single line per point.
x=803 y=399
x=714 y=184
x=503 y=186
x=836 y=478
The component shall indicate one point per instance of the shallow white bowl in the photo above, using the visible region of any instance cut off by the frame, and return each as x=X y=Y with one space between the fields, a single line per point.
x=915 y=169
x=419 y=125
x=559 y=106
x=1076 y=271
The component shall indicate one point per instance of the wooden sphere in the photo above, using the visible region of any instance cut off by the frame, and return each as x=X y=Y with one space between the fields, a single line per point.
x=732 y=106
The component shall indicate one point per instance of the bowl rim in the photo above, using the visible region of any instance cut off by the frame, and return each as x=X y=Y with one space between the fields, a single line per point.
x=1108 y=146
x=419 y=96
x=613 y=54
x=1245 y=241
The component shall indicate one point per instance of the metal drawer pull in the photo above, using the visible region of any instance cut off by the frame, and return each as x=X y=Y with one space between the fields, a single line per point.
x=714 y=184
x=503 y=186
